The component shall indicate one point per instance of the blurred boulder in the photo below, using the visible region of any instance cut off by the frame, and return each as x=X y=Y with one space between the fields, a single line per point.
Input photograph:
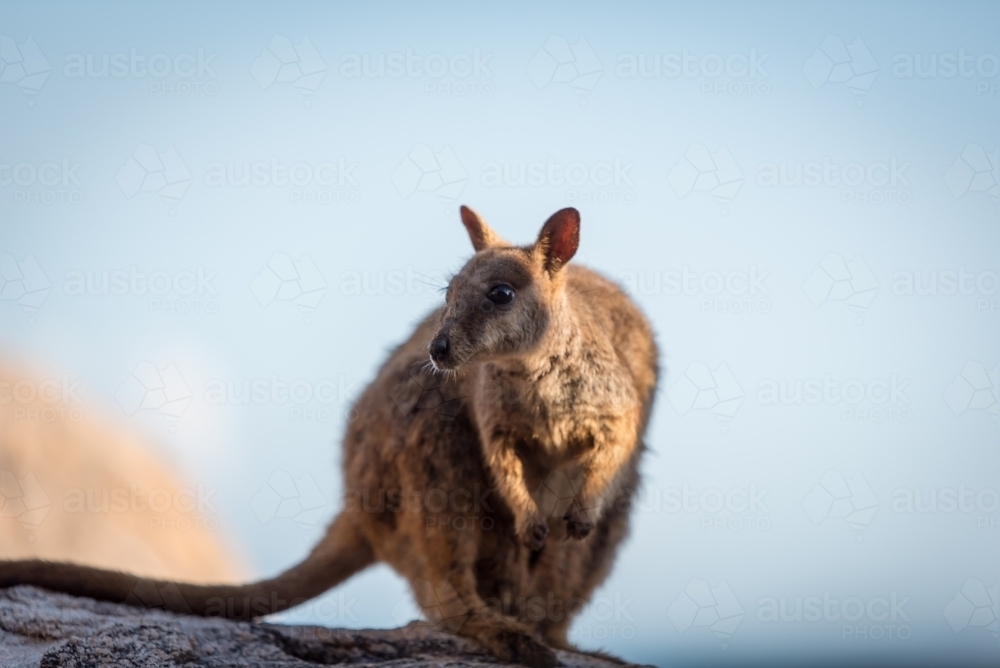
x=76 y=488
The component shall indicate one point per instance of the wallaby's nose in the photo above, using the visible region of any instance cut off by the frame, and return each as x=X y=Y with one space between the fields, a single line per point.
x=439 y=348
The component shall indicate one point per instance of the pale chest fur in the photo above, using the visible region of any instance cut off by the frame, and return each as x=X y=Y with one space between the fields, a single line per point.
x=560 y=405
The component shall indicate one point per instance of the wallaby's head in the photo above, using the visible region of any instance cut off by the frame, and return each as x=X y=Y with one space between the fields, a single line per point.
x=504 y=298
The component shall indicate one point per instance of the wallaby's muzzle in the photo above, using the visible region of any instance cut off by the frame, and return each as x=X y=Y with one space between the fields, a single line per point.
x=439 y=349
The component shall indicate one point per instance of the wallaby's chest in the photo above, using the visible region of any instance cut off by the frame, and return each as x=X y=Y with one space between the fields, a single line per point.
x=557 y=411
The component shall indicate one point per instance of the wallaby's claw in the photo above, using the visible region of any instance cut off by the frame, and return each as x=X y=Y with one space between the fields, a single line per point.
x=579 y=530
x=578 y=525
x=535 y=535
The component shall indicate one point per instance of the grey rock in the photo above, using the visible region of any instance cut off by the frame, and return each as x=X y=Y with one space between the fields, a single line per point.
x=41 y=629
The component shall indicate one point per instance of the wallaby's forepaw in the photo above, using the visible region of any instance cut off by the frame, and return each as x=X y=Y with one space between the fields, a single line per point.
x=522 y=648
x=578 y=524
x=534 y=533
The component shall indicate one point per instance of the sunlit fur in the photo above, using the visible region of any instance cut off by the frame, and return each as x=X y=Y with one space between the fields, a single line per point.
x=530 y=430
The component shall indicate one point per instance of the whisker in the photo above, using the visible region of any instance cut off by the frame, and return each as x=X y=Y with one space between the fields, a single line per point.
x=426 y=280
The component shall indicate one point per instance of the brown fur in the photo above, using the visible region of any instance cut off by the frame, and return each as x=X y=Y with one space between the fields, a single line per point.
x=544 y=400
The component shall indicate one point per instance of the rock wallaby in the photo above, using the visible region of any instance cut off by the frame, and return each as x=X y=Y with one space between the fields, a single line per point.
x=492 y=461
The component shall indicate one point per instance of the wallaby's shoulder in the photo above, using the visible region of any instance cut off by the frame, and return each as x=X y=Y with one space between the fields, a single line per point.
x=609 y=312
x=594 y=293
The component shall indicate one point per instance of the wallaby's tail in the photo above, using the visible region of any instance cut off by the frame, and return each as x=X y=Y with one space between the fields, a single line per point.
x=341 y=553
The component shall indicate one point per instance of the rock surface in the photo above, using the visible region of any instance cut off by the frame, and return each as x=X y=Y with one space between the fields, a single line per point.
x=43 y=629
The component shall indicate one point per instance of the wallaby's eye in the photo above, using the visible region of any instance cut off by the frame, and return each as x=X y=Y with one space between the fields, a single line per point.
x=501 y=294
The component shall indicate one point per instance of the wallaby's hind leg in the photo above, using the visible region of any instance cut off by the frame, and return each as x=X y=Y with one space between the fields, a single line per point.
x=452 y=604
x=510 y=641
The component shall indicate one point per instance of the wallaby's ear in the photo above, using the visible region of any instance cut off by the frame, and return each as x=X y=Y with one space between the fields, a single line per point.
x=559 y=239
x=481 y=234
